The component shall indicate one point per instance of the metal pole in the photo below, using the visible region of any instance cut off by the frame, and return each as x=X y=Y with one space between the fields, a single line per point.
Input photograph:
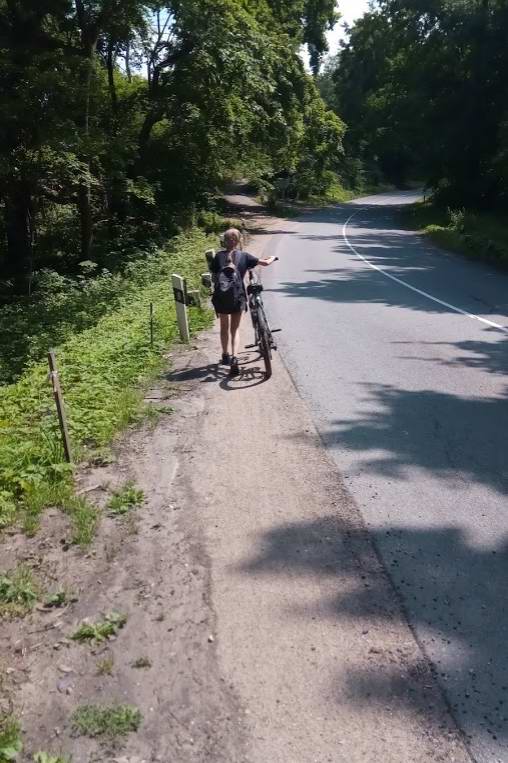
x=60 y=407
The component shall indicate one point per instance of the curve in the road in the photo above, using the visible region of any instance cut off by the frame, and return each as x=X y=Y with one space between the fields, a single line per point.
x=413 y=288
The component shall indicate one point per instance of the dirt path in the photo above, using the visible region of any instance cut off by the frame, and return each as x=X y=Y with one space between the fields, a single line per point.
x=239 y=577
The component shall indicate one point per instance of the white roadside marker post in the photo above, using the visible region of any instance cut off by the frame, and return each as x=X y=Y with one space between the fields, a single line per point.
x=180 y=293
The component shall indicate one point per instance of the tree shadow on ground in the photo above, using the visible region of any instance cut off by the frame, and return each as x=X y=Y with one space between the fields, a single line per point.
x=456 y=595
x=403 y=255
x=448 y=435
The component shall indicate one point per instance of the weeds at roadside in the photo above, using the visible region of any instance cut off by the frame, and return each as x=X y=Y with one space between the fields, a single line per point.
x=84 y=517
x=125 y=499
x=59 y=599
x=40 y=497
x=18 y=591
x=105 y=666
x=142 y=662
x=44 y=757
x=100 y=631
x=113 y=721
x=10 y=738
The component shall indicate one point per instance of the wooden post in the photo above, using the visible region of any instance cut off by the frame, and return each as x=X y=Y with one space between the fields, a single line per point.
x=151 y=324
x=57 y=392
x=180 y=292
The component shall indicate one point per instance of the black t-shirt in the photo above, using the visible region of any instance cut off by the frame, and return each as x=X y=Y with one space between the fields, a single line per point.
x=242 y=260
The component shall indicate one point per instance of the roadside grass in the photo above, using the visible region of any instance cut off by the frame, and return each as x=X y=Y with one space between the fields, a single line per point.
x=125 y=499
x=112 y=721
x=101 y=630
x=479 y=236
x=45 y=757
x=103 y=371
x=18 y=591
x=84 y=517
x=10 y=738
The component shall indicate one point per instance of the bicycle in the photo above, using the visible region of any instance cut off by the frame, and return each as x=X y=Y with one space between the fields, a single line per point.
x=263 y=338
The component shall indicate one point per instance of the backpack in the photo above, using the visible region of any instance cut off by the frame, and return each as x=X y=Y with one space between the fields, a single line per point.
x=229 y=294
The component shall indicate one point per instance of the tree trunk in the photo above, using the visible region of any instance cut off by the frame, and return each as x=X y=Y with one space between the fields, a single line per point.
x=111 y=75
x=128 y=62
x=85 y=190
x=19 y=227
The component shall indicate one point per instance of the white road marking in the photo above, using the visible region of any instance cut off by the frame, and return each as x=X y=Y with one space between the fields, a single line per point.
x=413 y=288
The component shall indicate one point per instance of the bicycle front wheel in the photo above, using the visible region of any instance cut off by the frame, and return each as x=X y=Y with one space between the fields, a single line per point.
x=265 y=343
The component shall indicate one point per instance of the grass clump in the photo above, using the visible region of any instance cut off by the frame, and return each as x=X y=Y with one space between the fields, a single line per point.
x=125 y=499
x=101 y=630
x=45 y=757
x=18 y=591
x=84 y=518
x=113 y=721
x=10 y=738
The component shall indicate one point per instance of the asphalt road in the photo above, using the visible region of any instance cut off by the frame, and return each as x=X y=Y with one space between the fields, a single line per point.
x=400 y=350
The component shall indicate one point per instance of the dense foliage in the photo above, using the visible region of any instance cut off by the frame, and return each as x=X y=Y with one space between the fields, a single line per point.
x=118 y=118
x=423 y=86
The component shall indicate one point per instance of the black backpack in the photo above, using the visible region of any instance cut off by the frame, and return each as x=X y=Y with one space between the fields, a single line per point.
x=229 y=295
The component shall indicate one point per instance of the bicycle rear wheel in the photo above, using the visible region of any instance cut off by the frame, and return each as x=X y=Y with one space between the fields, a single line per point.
x=265 y=345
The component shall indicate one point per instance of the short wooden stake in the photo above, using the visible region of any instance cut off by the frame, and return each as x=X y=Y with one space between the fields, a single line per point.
x=60 y=407
x=180 y=292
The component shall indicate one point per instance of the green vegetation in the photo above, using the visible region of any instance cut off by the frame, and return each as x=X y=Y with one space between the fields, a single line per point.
x=102 y=371
x=423 y=90
x=10 y=738
x=59 y=599
x=125 y=499
x=113 y=721
x=101 y=630
x=44 y=757
x=477 y=235
x=118 y=120
x=84 y=518
x=18 y=591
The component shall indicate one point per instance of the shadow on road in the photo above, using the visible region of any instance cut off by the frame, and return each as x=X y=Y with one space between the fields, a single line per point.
x=465 y=579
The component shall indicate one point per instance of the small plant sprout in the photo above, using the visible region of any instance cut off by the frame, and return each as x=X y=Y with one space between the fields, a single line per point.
x=125 y=499
x=102 y=630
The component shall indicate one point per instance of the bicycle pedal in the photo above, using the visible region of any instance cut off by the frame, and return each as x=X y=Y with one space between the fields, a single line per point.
x=274 y=331
x=250 y=346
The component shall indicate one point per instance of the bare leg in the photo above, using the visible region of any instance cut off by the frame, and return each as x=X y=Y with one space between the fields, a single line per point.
x=235 y=333
x=224 y=332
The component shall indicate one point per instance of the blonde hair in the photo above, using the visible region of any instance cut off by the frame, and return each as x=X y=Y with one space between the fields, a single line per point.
x=233 y=233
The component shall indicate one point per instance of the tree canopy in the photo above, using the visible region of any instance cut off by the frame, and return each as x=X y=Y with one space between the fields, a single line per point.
x=423 y=86
x=121 y=117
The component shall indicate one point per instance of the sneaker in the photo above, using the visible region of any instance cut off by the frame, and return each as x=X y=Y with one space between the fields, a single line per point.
x=234 y=367
x=226 y=359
